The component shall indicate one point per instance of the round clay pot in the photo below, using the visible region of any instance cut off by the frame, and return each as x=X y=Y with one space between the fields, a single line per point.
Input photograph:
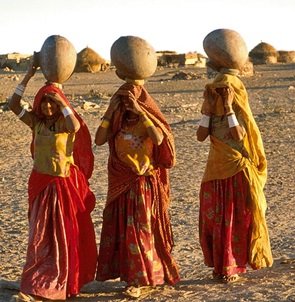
x=225 y=48
x=57 y=59
x=134 y=58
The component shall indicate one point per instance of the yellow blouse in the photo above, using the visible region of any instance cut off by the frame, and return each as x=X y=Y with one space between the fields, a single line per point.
x=53 y=150
x=135 y=148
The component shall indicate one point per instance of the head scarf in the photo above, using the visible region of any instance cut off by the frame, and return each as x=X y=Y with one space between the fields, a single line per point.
x=253 y=141
x=82 y=153
x=164 y=155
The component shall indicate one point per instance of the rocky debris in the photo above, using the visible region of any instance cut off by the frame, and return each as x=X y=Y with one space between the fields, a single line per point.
x=186 y=76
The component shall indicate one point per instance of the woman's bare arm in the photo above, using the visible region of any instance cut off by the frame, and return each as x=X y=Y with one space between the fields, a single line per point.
x=102 y=131
x=71 y=122
x=14 y=102
x=153 y=132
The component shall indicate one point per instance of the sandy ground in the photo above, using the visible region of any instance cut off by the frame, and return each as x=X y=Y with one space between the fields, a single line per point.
x=272 y=98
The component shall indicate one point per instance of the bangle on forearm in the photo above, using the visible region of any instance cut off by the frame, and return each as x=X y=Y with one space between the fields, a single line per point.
x=20 y=89
x=105 y=124
x=22 y=113
x=66 y=111
x=148 y=123
x=205 y=121
x=232 y=121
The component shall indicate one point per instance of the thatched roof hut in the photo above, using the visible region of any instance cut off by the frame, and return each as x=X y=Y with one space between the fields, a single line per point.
x=90 y=61
x=286 y=56
x=263 y=53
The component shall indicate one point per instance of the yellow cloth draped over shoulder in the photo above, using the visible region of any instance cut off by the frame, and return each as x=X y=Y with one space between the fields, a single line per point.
x=224 y=162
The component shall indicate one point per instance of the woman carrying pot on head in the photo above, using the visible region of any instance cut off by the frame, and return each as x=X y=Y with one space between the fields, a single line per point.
x=136 y=239
x=232 y=224
x=61 y=253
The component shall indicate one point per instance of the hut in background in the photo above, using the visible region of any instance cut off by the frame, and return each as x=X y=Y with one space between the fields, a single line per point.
x=15 y=61
x=90 y=61
x=263 y=53
x=174 y=59
x=286 y=56
x=167 y=58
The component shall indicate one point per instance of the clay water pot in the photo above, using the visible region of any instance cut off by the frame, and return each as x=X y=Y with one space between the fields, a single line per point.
x=225 y=48
x=57 y=59
x=134 y=58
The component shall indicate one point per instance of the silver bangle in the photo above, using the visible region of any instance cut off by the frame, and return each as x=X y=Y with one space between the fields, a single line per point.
x=232 y=121
x=22 y=113
x=67 y=111
x=19 y=90
x=205 y=121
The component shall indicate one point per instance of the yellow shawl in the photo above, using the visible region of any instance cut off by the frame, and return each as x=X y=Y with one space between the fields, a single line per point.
x=224 y=162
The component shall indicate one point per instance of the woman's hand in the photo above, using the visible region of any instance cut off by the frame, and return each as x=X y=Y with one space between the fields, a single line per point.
x=228 y=95
x=134 y=106
x=114 y=103
x=57 y=99
x=130 y=102
x=113 y=106
x=72 y=123
x=33 y=65
x=210 y=98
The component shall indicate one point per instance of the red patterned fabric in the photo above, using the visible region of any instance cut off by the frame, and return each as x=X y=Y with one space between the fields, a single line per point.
x=224 y=224
x=62 y=252
x=121 y=253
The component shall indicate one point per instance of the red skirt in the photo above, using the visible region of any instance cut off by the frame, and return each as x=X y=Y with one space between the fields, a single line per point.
x=127 y=246
x=61 y=254
x=224 y=224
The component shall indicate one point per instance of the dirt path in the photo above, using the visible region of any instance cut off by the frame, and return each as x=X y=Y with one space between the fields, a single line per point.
x=272 y=99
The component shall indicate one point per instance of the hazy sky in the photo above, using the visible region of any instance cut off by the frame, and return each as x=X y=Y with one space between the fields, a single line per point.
x=178 y=25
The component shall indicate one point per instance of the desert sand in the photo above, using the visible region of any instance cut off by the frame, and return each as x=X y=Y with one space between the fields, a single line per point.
x=272 y=99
